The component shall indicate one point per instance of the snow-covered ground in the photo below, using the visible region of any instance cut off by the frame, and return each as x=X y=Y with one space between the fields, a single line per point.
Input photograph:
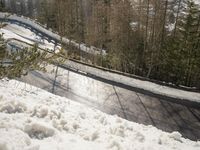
x=33 y=119
x=15 y=31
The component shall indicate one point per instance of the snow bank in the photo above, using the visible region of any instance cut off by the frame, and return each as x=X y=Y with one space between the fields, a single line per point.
x=13 y=139
x=33 y=119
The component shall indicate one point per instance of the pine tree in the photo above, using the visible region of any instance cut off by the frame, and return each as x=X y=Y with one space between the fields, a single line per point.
x=189 y=32
x=2 y=5
x=182 y=55
x=2 y=48
x=19 y=63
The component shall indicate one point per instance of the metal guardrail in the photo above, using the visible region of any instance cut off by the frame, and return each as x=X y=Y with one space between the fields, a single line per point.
x=136 y=89
x=121 y=73
x=55 y=37
x=24 y=20
x=74 y=66
x=50 y=35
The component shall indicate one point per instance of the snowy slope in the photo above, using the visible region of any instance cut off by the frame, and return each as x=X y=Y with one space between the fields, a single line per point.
x=33 y=119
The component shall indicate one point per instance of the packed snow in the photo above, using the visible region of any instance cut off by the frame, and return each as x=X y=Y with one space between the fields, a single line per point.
x=33 y=119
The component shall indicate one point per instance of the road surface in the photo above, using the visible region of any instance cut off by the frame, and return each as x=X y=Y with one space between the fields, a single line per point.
x=113 y=100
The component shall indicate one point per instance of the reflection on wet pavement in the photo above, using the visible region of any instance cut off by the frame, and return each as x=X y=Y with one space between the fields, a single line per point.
x=130 y=105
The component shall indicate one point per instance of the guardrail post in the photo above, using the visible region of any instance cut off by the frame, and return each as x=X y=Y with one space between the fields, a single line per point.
x=54 y=82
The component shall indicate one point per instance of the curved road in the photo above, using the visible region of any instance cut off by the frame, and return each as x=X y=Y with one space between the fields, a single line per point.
x=46 y=34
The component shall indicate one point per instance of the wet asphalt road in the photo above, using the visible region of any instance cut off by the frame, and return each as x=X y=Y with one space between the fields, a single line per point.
x=113 y=100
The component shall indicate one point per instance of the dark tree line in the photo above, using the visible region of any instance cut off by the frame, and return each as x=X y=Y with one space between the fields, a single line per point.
x=158 y=39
